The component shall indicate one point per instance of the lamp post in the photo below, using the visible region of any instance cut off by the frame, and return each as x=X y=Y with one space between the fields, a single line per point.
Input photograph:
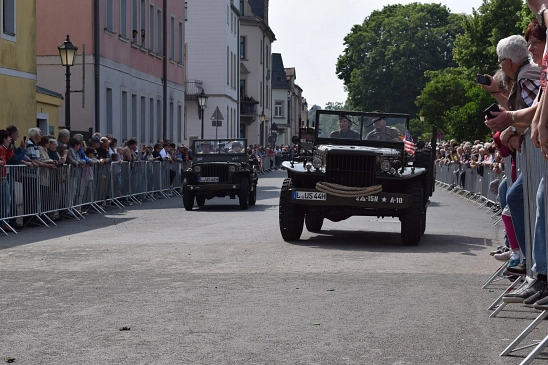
x=261 y=119
x=67 y=52
x=202 y=103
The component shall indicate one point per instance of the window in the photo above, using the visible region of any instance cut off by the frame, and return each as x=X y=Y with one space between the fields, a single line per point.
x=231 y=24
x=8 y=18
x=171 y=121
x=267 y=101
x=180 y=58
x=172 y=40
x=134 y=21
x=123 y=18
x=143 y=118
x=278 y=109
x=151 y=27
x=231 y=73
x=242 y=7
x=159 y=118
x=234 y=71
x=242 y=89
x=227 y=15
x=227 y=66
x=110 y=15
x=159 y=31
x=186 y=11
x=134 y=119
x=124 y=116
x=109 y=110
x=151 y=119
x=143 y=21
x=261 y=56
x=242 y=48
x=267 y=57
x=178 y=136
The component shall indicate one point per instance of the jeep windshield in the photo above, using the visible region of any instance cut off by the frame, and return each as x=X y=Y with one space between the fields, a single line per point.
x=219 y=146
x=349 y=127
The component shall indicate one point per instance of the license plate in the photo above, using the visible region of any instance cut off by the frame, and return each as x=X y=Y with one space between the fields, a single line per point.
x=306 y=195
x=209 y=179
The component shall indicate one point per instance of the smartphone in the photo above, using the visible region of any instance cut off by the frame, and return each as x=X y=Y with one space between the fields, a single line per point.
x=482 y=79
x=24 y=138
x=492 y=108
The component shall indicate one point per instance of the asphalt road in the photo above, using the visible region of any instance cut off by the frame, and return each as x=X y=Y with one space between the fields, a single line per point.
x=219 y=286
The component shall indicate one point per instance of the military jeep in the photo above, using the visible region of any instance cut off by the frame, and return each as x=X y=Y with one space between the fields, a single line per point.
x=220 y=168
x=359 y=165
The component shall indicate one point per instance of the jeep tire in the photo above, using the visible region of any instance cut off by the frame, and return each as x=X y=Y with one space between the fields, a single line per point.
x=313 y=222
x=188 y=198
x=423 y=158
x=244 y=193
x=200 y=200
x=291 y=216
x=253 y=196
x=411 y=220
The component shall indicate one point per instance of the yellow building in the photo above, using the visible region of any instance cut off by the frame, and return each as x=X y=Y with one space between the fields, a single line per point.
x=18 y=64
x=18 y=90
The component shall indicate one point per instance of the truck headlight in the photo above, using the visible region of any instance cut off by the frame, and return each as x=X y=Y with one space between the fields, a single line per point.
x=386 y=165
x=231 y=168
x=197 y=169
x=317 y=163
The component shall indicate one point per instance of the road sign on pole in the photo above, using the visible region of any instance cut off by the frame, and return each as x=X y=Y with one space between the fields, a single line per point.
x=217 y=116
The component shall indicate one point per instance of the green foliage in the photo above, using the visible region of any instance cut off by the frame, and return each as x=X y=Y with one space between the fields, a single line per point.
x=385 y=58
x=336 y=106
x=494 y=20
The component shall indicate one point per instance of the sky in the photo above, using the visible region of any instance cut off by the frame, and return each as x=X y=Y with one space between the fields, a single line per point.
x=310 y=35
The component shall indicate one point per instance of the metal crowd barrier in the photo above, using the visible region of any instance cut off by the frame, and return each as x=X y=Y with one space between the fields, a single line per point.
x=42 y=195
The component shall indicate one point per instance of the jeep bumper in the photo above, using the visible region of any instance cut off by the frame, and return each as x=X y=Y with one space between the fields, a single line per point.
x=380 y=200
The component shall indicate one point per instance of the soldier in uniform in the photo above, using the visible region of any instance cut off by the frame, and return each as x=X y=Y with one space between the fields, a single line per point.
x=236 y=147
x=344 y=129
x=382 y=132
x=206 y=147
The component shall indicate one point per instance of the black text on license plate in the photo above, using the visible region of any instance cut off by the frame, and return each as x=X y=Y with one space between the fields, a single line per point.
x=209 y=179
x=306 y=195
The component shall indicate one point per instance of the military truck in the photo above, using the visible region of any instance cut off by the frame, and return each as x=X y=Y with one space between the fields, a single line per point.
x=361 y=164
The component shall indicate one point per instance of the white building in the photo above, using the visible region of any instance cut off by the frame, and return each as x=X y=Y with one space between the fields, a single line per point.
x=256 y=38
x=212 y=36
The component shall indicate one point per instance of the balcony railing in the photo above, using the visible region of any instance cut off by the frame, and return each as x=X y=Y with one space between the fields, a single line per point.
x=193 y=87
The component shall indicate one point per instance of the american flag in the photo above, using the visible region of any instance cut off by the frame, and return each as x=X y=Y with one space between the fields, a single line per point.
x=409 y=145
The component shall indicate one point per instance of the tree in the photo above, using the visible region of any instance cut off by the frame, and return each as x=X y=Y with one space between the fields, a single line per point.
x=385 y=58
x=336 y=106
x=476 y=48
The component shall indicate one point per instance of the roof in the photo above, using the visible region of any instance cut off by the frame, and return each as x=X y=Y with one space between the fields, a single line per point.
x=290 y=71
x=257 y=7
x=43 y=90
x=279 y=79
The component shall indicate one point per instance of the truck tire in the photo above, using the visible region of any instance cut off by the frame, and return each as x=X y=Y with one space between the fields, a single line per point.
x=313 y=222
x=291 y=216
x=200 y=200
x=412 y=218
x=188 y=198
x=244 y=193
x=253 y=196
x=423 y=158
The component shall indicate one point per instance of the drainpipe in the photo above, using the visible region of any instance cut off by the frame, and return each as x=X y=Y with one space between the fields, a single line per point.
x=164 y=124
x=97 y=66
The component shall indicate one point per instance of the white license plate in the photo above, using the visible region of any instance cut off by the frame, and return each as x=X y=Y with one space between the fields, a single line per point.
x=209 y=179
x=306 y=195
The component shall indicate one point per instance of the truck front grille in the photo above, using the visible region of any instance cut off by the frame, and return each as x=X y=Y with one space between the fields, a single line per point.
x=351 y=170
x=215 y=170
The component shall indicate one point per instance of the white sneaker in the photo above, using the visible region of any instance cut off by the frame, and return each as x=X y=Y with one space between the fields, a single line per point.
x=505 y=256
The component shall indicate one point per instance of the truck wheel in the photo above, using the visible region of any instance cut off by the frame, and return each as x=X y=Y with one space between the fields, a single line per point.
x=314 y=222
x=244 y=193
x=423 y=158
x=253 y=196
x=188 y=198
x=412 y=218
x=291 y=216
x=200 y=200
x=424 y=221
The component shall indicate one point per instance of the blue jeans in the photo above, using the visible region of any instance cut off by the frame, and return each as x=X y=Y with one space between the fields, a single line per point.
x=503 y=190
x=539 y=240
x=514 y=199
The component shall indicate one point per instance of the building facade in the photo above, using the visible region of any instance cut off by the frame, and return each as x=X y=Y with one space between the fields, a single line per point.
x=18 y=64
x=130 y=67
x=256 y=40
x=212 y=33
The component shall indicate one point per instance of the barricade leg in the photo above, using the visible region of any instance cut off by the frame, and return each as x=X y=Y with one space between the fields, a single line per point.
x=512 y=347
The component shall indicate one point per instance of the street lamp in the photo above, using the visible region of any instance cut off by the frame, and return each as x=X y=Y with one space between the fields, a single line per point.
x=202 y=103
x=67 y=52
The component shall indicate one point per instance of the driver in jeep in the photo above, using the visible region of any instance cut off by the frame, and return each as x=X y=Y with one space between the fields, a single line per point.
x=344 y=129
x=382 y=132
